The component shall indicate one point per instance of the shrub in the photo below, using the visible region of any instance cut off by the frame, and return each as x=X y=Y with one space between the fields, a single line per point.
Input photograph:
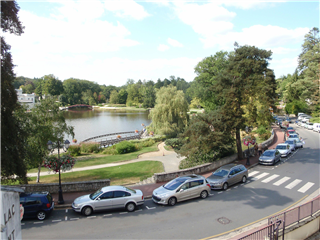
x=110 y=150
x=174 y=143
x=90 y=147
x=74 y=150
x=125 y=147
x=265 y=136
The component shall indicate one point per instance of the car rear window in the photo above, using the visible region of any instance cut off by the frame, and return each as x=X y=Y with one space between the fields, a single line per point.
x=268 y=153
x=131 y=190
x=49 y=197
x=173 y=184
x=221 y=173
x=281 y=147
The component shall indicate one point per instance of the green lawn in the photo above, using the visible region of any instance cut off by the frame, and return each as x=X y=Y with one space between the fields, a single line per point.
x=125 y=174
x=106 y=159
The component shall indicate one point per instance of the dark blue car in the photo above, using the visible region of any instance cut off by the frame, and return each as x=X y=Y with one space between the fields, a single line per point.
x=36 y=204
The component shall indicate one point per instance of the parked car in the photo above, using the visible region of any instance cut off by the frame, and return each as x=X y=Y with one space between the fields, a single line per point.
x=305 y=119
x=36 y=204
x=110 y=197
x=297 y=141
x=302 y=116
x=291 y=131
x=294 y=135
x=270 y=157
x=310 y=126
x=181 y=189
x=284 y=149
x=292 y=144
x=228 y=175
x=290 y=128
x=316 y=127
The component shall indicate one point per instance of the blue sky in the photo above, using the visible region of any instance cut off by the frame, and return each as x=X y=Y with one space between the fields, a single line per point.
x=109 y=42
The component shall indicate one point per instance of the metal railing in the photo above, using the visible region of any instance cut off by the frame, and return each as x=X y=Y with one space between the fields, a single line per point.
x=295 y=215
x=284 y=220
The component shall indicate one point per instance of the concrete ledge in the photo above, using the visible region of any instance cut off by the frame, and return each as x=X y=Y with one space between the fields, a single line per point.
x=66 y=187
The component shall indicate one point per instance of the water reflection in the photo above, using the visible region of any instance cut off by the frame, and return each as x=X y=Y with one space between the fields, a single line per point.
x=90 y=123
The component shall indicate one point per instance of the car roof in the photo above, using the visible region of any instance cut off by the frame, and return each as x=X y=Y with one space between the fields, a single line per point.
x=190 y=176
x=34 y=194
x=229 y=166
x=270 y=150
x=113 y=188
x=280 y=144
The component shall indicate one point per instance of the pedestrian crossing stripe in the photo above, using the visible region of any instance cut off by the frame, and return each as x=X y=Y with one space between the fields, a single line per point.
x=269 y=179
x=306 y=187
x=282 y=180
x=293 y=184
x=260 y=176
x=253 y=173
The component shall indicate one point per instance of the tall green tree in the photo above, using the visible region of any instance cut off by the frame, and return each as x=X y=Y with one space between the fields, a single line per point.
x=52 y=85
x=169 y=116
x=46 y=122
x=114 y=97
x=13 y=134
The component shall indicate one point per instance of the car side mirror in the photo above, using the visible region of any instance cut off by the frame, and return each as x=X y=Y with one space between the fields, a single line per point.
x=181 y=190
x=98 y=199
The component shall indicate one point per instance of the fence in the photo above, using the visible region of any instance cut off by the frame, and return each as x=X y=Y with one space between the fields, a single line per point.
x=297 y=214
x=284 y=220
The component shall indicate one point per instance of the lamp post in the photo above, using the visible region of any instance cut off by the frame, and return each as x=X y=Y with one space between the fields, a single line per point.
x=64 y=146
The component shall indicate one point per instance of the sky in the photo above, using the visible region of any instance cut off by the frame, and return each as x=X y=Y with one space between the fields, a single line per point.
x=109 y=42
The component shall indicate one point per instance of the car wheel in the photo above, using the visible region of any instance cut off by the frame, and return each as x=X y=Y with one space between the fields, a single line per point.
x=41 y=215
x=244 y=179
x=204 y=194
x=130 y=207
x=87 y=211
x=274 y=162
x=172 y=201
x=225 y=186
x=302 y=146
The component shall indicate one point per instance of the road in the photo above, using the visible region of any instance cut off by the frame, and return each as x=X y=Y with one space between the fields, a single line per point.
x=269 y=189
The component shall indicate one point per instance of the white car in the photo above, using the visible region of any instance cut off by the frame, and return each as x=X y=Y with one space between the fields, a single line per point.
x=284 y=149
x=297 y=141
x=310 y=126
x=316 y=127
x=292 y=144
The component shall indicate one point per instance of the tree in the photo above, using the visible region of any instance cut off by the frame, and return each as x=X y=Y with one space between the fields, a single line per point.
x=123 y=96
x=169 y=116
x=114 y=97
x=207 y=138
x=13 y=134
x=52 y=85
x=46 y=122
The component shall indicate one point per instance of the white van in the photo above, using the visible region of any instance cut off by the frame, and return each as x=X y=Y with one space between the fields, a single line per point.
x=300 y=114
x=316 y=127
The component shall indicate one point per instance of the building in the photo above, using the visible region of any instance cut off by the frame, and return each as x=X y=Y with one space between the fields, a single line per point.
x=27 y=99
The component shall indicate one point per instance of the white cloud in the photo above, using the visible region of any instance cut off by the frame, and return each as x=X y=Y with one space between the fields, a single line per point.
x=128 y=8
x=174 y=43
x=284 y=66
x=282 y=50
x=163 y=47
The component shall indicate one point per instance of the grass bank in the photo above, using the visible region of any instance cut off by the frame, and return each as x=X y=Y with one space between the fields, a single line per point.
x=106 y=159
x=120 y=175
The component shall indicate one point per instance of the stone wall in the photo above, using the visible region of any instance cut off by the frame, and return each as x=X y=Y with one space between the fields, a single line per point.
x=67 y=187
x=204 y=168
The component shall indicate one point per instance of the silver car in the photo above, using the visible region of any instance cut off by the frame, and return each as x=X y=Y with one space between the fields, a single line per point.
x=292 y=144
x=180 y=189
x=297 y=141
x=284 y=149
x=110 y=197
x=270 y=157
x=228 y=175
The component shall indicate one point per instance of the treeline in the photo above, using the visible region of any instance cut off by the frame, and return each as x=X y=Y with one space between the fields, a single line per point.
x=76 y=91
x=300 y=90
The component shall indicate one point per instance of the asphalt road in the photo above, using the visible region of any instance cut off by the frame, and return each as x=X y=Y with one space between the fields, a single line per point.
x=269 y=189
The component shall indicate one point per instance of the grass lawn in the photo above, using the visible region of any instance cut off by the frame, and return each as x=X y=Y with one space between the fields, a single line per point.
x=106 y=159
x=119 y=175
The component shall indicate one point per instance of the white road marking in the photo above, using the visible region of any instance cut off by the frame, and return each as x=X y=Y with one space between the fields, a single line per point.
x=228 y=189
x=270 y=178
x=74 y=219
x=66 y=210
x=293 y=184
x=220 y=192
x=37 y=222
x=282 y=180
x=56 y=220
x=107 y=215
x=253 y=173
x=235 y=186
x=123 y=212
x=22 y=224
x=150 y=207
x=66 y=218
x=211 y=194
x=306 y=187
x=260 y=176
x=92 y=217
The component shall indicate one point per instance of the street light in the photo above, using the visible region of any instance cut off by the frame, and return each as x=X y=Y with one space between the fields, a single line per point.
x=51 y=148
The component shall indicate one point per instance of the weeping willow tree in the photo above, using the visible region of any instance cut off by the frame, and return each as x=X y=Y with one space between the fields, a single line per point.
x=169 y=116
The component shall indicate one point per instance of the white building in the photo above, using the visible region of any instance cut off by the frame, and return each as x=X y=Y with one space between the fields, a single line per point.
x=28 y=99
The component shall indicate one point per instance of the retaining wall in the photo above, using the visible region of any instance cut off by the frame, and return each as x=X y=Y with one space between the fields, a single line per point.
x=208 y=167
x=67 y=187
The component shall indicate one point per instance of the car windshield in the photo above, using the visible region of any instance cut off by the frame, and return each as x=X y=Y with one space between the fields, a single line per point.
x=290 y=142
x=221 y=173
x=172 y=185
x=293 y=136
x=96 y=194
x=131 y=190
x=268 y=153
x=281 y=147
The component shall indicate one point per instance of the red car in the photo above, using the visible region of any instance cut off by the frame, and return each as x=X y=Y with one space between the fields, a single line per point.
x=291 y=131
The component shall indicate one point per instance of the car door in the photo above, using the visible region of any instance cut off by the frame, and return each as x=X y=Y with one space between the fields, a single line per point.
x=183 y=192
x=232 y=177
x=278 y=156
x=195 y=188
x=104 y=201
x=31 y=206
x=120 y=198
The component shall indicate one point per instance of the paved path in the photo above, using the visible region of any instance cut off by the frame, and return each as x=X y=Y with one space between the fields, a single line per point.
x=169 y=159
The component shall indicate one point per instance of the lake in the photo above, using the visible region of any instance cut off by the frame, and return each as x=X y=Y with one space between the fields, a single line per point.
x=91 y=123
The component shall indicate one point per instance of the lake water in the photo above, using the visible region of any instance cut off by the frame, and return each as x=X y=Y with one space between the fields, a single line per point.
x=91 y=123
